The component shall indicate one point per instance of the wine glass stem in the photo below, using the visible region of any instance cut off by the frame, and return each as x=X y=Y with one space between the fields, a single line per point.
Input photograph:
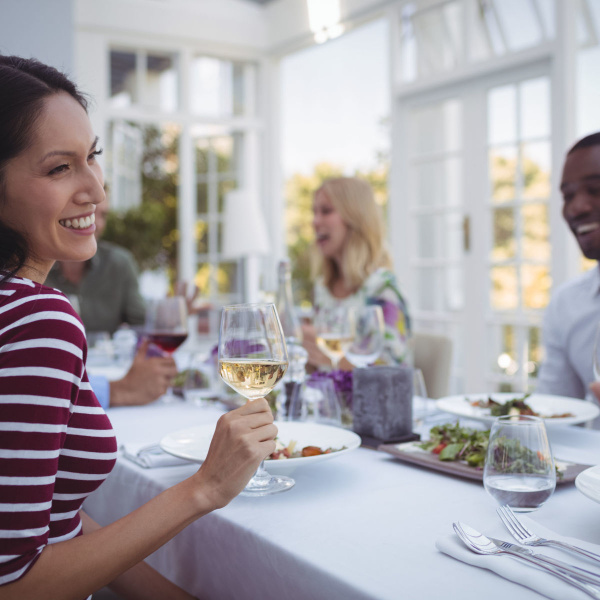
x=261 y=473
x=334 y=363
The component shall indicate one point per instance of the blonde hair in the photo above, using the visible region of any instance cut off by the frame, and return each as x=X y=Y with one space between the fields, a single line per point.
x=364 y=247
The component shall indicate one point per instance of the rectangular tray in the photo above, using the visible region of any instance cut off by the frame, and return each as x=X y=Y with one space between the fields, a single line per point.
x=411 y=453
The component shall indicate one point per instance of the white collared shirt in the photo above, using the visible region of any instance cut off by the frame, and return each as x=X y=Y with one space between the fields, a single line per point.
x=568 y=336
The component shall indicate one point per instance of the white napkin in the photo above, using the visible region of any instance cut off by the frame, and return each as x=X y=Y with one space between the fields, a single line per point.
x=518 y=570
x=150 y=456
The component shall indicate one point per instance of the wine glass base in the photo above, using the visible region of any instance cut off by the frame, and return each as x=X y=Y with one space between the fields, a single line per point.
x=274 y=485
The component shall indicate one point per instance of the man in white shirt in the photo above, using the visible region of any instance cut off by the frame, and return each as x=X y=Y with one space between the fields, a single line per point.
x=572 y=317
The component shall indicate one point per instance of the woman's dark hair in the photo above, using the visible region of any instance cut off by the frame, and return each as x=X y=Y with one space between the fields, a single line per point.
x=589 y=140
x=24 y=85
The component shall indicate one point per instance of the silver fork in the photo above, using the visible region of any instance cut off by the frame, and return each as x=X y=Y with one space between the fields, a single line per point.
x=480 y=544
x=524 y=536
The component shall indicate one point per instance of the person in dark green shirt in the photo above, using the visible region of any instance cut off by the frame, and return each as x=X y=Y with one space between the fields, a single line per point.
x=105 y=287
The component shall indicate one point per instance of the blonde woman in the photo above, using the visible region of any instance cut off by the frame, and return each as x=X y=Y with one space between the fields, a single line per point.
x=353 y=266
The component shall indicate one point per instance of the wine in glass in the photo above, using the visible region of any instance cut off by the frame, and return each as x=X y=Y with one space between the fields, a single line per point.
x=368 y=336
x=167 y=327
x=334 y=329
x=252 y=359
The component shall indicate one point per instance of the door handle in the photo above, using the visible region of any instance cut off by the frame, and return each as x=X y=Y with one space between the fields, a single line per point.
x=466 y=227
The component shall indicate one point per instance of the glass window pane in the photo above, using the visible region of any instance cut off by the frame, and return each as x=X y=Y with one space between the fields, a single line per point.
x=206 y=80
x=201 y=156
x=224 y=149
x=437 y=127
x=427 y=288
x=202 y=199
x=239 y=81
x=536 y=282
x=503 y=173
x=224 y=188
x=161 y=85
x=438 y=183
x=519 y=23
x=218 y=88
x=201 y=235
x=546 y=9
x=227 y=278
x=452 y=226
x=536 y=232
x=484 y=39
x=123 y=79
x=535 y=108
x=502 y=115
x=455 y=289
x=504 y=349
x=453 y=182
x=428 y=184
x=534 y=354
x=536 y=170
x=428 y=235
x=504 y=293
x=504 y=234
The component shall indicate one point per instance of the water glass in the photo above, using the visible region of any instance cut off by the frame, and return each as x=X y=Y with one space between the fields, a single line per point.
x=199 y=384
x=422 y=406
x=334 y=329
x=317 y=402
x=369 y=334
x=519 y=467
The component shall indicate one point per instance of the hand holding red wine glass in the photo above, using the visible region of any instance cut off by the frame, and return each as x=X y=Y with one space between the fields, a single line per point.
x=167 y=327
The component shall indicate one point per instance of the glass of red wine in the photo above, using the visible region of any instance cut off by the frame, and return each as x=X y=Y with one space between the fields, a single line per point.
x=167 y=327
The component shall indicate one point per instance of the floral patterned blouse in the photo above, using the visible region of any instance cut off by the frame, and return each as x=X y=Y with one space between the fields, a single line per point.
x=379 y=288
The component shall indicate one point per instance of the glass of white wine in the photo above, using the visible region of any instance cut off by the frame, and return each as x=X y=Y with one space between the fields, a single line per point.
x=252 y=359
x=334 y=330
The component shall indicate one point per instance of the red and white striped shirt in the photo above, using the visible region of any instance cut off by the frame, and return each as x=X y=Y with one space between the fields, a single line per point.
x=56 y=443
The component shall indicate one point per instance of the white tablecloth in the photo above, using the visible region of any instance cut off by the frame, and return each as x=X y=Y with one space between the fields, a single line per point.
x=362 y=525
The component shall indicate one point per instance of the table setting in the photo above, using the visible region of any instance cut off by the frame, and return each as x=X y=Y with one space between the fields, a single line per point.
x=362 y=523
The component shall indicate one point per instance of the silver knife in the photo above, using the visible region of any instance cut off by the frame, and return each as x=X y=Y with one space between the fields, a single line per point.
x=577 y=572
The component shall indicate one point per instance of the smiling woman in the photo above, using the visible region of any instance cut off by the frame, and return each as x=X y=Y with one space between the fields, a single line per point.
x=57 y=444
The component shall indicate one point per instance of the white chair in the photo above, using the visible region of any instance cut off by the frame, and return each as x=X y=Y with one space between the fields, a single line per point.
x=433 y=355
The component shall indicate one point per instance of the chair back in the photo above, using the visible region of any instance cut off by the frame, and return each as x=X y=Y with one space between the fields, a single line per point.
x=433 y=355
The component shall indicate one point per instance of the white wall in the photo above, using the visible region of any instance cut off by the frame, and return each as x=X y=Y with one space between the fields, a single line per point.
x=218 y=21
x=42 y=29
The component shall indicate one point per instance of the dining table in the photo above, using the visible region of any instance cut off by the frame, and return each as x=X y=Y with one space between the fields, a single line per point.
x=360 y=526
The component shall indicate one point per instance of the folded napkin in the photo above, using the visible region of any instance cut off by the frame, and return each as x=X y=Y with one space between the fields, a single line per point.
x=150 y=456
x=518 y=570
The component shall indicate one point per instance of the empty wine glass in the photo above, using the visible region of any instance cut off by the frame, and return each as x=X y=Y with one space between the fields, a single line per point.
x=334 y=329
x=420 y=400
x=369 y=331
x=317 y=402
x=252 y=359
x=519 y=468
x=167 y=327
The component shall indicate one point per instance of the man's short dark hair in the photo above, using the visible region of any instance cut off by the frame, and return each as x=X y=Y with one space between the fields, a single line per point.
x=589 y=140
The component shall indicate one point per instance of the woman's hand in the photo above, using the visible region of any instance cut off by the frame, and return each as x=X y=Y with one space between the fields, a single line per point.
x=243 y=438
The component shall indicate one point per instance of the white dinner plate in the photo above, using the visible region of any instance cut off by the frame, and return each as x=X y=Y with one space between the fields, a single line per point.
x=193 y=443
x=543 y=404
x=588 y=483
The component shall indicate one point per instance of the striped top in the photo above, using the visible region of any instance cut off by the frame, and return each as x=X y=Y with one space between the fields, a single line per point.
x=56 y=443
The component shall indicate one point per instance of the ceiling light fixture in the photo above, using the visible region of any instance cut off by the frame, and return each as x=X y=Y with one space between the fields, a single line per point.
x=324 y=19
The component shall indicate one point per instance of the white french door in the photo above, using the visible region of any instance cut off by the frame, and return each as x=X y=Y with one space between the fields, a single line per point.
x=472 y=191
